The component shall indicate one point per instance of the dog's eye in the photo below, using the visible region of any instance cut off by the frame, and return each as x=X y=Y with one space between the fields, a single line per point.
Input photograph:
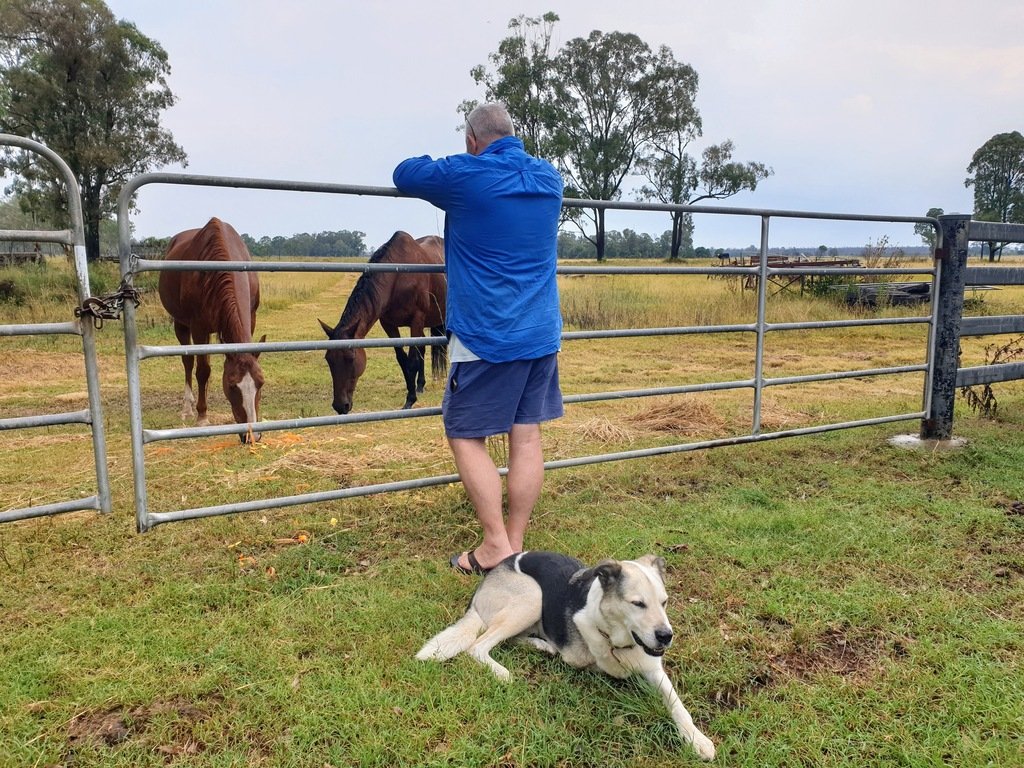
x=639 y=603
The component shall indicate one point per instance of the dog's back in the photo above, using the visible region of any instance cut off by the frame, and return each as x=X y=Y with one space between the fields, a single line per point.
x=564 y=583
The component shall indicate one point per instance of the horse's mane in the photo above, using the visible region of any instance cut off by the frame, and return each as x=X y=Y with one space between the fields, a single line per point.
x=368 y=295
x=219 y=287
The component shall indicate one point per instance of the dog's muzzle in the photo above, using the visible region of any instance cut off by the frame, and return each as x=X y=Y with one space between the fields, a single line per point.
x=664 y=639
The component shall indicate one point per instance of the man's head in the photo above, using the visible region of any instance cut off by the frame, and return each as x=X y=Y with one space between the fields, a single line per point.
x=487 y=123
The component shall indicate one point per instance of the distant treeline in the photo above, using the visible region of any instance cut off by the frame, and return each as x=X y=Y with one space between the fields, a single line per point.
x=341 y=243
x=625 y=244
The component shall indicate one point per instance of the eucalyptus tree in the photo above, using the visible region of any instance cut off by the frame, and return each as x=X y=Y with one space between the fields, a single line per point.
x=997 y=175
x=927 y=232
x=674 y=177
x=521 y=80
x=92 y=89
x=611 y=96
x=602 y=108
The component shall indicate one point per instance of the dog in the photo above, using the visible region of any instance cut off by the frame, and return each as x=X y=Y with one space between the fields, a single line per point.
x=611 y=616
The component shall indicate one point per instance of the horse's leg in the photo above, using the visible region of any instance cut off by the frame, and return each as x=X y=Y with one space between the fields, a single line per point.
x=188 y=399
x=407 y=366
x=202 y=379
x=418 y=355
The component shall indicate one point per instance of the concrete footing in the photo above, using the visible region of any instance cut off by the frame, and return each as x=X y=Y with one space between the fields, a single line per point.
x=914 y=441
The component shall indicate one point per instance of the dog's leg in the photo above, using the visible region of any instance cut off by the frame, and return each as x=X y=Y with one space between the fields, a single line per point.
x=453 y=640
x=506 y=624
x=540 y=645
x=702 y=745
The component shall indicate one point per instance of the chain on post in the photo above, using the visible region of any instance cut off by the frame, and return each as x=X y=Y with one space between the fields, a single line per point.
x=111 y=306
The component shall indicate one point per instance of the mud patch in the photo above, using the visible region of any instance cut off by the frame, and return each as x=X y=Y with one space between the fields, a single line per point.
x=835 y=652
x=111 y=727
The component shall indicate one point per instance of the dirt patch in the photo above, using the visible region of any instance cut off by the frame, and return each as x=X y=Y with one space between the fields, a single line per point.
x=836 y=651
x=111 y=727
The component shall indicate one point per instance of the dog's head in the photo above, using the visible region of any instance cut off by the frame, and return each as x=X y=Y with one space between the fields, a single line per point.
x=633 y=602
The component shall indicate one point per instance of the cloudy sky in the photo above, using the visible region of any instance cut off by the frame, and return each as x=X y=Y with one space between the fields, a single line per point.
x=859 y=106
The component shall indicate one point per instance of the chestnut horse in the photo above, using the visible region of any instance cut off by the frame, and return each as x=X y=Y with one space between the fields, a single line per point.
x=224 y=303
x=398 y=299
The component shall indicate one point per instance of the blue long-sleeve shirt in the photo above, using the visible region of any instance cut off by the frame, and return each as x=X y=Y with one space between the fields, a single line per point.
x=501 y=234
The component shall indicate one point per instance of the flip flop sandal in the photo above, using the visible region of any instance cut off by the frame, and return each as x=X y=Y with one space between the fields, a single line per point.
x=475 y=569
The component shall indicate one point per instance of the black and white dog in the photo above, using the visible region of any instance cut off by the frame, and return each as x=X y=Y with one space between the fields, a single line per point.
x=611 y=616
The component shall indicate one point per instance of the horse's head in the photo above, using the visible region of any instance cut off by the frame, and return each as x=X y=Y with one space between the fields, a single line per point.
x=243 y=380
x=346 y=365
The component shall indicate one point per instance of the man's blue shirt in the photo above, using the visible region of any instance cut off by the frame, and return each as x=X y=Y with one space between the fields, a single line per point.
x=501 y=234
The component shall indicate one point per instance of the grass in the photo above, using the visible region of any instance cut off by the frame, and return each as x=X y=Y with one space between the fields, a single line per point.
x=837 y=601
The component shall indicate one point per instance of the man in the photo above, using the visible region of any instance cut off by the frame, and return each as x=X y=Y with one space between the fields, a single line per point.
x=502 y=210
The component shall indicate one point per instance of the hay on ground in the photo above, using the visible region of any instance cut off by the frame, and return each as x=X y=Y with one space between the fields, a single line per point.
x=682 y=416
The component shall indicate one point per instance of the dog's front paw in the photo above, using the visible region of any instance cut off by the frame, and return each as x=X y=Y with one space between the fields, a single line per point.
x=702 y=746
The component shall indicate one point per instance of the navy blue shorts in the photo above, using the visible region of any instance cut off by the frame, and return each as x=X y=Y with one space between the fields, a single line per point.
x=483 y=399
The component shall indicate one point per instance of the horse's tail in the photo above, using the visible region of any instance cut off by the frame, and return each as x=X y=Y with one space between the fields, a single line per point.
x=438 y=355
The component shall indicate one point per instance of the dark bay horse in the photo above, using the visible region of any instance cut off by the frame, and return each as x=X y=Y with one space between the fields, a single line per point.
x=413 y=300
x=222 y=303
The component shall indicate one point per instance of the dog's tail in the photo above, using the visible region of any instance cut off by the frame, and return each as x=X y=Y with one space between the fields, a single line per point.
x=454 y=640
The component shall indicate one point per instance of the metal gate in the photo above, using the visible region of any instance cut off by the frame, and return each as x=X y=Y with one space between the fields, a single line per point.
x=761 y=273
x=73 y=238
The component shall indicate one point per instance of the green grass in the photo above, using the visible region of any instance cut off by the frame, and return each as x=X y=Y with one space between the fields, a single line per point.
x=837 y=601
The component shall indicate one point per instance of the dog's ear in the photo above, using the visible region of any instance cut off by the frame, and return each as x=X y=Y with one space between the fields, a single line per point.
x=655 y=562
x=608 y=572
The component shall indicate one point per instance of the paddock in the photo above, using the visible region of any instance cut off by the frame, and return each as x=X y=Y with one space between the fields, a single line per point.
x=935 y=371
x=837 y=600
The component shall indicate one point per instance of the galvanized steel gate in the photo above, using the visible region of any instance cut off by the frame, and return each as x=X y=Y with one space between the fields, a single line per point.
x=757 y=382
x=92 y=417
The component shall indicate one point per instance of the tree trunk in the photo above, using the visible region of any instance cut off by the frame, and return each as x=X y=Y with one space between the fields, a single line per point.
x=599 y=239
x=91 y=216
x=677 y=235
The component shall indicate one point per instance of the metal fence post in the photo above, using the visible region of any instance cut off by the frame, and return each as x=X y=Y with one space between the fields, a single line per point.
x=952 y=267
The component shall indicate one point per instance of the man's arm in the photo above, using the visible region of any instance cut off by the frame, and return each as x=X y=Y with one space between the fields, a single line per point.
x=425 y=178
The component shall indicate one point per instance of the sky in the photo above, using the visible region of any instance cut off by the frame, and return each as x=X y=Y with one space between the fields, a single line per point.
x=859 y=106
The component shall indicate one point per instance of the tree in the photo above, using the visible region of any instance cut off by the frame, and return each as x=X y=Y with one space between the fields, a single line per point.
x=673 y=176
x=597 y=106
x=89 y=87
x=612 y=95
x=927 y=232
x=522 y=80
x=997 y=175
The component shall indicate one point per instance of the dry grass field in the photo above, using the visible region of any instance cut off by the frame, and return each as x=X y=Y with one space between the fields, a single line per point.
x=837 y=601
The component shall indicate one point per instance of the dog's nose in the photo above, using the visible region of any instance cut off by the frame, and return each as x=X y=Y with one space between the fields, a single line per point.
x=663 y=636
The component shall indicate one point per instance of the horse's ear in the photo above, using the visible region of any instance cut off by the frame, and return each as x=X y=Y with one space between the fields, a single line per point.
x=263 y=338
x=327 y=329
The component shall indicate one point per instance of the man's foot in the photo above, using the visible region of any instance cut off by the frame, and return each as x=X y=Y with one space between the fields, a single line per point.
x=472 y=566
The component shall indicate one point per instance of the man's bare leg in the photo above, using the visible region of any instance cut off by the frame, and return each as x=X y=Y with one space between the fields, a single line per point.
x=525 y=477
x=482 y=482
